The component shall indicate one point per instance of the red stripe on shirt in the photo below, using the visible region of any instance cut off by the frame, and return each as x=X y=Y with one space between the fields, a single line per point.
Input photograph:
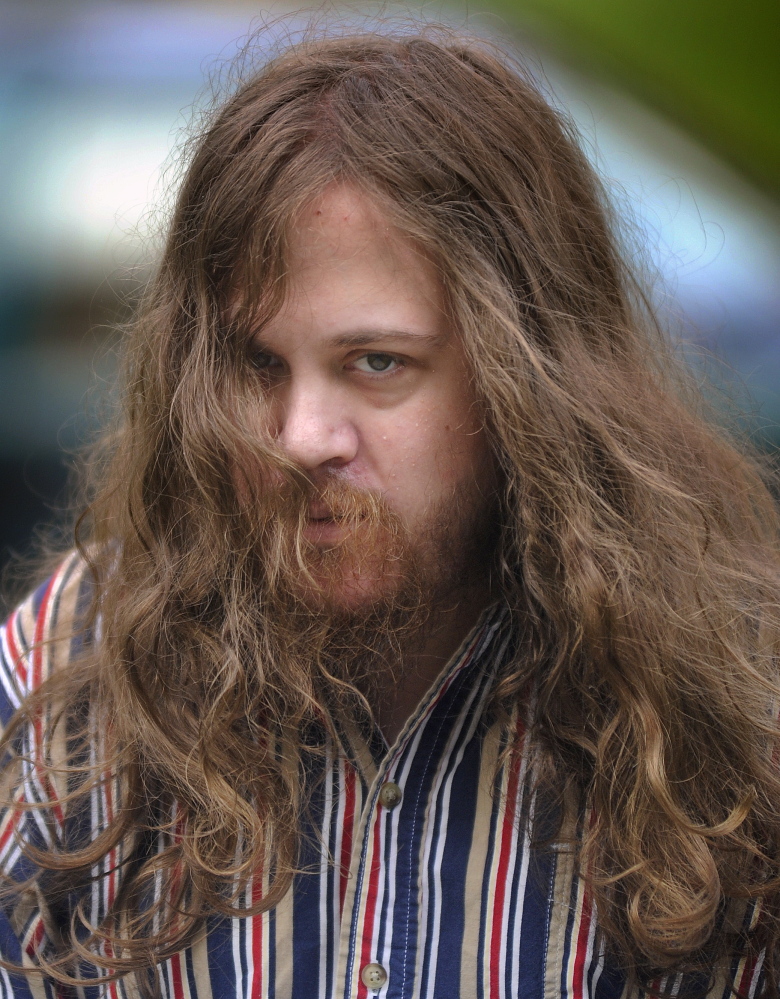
x=37 y=680
x=746 y=980
x=581 y=952
x=35 y=937
x=40 y=626
x=13 y=822
x=257 y=939
x=581 y=949
x=507 y=836
x=346 y=833
x=20 y=667
x=371 y=898
x=177 y=977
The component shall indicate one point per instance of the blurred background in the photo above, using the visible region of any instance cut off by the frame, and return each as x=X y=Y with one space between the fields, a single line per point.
x=677 y=102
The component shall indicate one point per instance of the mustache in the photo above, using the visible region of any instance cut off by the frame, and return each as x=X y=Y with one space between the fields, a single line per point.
x=285 y=508
x=299 y=499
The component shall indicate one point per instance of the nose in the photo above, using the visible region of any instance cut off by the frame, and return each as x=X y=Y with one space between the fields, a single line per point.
x=315 y=431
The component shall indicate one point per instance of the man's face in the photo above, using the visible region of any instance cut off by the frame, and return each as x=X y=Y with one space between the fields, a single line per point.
x=368 y=387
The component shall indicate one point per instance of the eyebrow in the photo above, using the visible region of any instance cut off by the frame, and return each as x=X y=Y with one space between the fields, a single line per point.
x=367 y=337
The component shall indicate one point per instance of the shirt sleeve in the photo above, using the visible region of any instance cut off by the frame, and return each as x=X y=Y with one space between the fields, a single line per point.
x=26 y=660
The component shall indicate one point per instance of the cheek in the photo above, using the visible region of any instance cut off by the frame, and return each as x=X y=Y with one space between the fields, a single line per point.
x=460 y=442
x=432 y=459
x=421 y=452
x=467 y=462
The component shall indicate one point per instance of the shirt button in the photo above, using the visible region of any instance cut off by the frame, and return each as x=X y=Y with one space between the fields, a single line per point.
x=373 y=976
x=390 y=794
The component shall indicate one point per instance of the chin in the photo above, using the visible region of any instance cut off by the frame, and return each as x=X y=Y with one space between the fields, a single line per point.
x=353 y=590
x=350 y=597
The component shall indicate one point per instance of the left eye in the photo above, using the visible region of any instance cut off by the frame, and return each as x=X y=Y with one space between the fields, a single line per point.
x=376 y=363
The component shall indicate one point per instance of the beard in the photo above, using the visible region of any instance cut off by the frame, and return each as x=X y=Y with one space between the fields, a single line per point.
x=375 y=562
x=348 y=612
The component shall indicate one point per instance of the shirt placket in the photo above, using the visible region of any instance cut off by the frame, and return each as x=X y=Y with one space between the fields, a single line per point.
x=366 y=927
x=378 y=903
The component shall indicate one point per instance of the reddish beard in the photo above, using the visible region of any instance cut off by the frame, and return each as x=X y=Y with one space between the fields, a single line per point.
x=368 y=563
x=346 y=615
x=375 y=564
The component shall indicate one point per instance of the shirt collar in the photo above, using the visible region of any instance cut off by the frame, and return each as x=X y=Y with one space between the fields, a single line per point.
x=479 y=657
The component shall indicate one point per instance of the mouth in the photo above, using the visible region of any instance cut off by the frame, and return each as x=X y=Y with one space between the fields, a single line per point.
x=325 y=526
x=322 y=526
x=320 y=513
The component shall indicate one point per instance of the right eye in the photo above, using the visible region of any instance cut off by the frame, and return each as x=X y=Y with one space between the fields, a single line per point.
x=266 y=362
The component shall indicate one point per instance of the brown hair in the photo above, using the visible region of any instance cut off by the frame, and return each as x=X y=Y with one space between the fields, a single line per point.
x=639 y=550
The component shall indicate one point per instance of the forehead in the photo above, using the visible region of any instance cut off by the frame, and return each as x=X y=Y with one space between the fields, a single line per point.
x=348 y=267
x=344 y=225
x=339 y=215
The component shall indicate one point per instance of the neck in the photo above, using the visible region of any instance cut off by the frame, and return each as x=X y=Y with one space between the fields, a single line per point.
x=397 y=697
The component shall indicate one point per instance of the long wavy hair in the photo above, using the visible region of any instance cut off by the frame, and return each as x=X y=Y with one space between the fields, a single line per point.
x=638 y=548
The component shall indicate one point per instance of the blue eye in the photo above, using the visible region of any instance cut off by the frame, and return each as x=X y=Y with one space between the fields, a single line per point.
x=376 y=363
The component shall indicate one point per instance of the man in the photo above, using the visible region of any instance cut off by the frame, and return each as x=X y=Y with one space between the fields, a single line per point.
x=421 y=639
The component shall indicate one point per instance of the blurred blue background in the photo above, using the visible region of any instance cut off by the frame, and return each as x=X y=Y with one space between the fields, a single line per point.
x=94 y=98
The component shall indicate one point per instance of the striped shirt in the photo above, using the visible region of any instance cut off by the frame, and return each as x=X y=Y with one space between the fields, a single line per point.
x=417 y=876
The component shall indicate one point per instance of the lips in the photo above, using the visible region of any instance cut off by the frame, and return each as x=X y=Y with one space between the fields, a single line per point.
x=320 y=513
x=326 y=526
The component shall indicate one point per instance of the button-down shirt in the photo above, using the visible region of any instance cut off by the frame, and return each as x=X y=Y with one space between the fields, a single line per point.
x=418 y=874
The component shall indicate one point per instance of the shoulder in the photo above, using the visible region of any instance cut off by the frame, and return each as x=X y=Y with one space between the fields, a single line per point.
x=40 y=637
x=44 y=633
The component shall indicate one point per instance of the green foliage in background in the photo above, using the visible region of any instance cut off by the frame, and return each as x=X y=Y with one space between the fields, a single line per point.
x=713 y=65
